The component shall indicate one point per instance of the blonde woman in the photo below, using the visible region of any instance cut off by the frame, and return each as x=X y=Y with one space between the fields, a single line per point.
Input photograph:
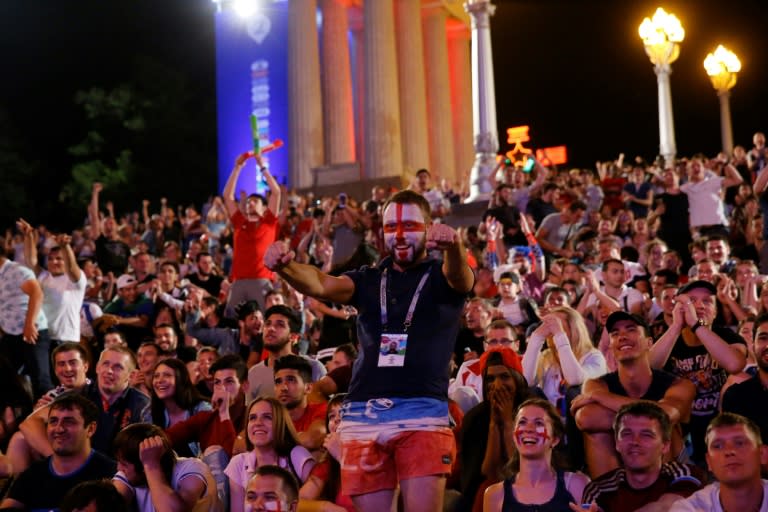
x=568 y=360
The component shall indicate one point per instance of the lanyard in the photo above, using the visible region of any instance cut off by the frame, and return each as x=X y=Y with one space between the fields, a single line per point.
x=411 y=308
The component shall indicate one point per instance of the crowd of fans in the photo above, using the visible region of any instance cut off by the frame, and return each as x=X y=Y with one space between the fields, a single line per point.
x=611 y=355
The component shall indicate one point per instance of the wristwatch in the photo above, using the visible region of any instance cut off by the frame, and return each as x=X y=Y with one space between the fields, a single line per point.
x=699 y=323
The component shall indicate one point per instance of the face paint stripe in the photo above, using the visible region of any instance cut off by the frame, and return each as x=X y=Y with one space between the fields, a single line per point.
x=399 y=217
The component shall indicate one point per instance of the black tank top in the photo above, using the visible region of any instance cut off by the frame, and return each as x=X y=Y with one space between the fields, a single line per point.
x=559 y=502
x=660 y=382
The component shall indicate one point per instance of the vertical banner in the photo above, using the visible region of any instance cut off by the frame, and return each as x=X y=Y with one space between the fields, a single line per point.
x=252 y=80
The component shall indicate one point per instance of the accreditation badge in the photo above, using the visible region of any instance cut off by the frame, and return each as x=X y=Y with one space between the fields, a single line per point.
x=392 y=349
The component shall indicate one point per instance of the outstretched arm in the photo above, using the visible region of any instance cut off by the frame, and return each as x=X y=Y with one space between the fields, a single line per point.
x=229 y=188
x=307 y=279
x=93 y=210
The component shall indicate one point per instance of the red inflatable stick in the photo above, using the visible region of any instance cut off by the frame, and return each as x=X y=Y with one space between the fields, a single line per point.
x=275 y=144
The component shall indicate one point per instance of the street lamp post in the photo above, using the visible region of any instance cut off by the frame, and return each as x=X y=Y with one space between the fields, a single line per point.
x=661 y=36
x=722 y=66
x=483 y=100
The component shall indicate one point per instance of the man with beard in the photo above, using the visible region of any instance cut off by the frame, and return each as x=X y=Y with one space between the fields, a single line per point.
x=281 y=330
x=293 y=376
x=112 y=254
x=168 y=340
x=395 y=425
x=741 y=398
x=226 y=339
x=697 y=349
x=204 y=277
x=644 y=482
x=71 y=422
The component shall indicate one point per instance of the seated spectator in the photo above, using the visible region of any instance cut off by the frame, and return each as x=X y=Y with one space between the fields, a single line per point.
x=478 y=314
x=569 y=358
x=518 y=310
x=129 y=311
x=15 y=405
x=734 y=454
x=293 y=382
x=595 y=409
x=93 y=496
x=282 y=327
x=467 y=388
x=536 y=481
x=71 y=423
x=204 y=277
x=152 y=478
x=741 y=398
x=175 y=399
x=697 y=350
x=270 y=439
x=206 y=356
x=325 y=479
x=119 y=405
x=482 y=447
x=168 y=340
x=643 y=434
x=226 y=339
x=272 y=488
x=339 y=374
x=147 y=356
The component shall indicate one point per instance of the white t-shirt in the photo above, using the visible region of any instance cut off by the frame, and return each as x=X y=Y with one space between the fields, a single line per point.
x=628 y=298
x=705 y=205
x=242 y=466
x=708 y=500
x=184 y=468
x=61 y=304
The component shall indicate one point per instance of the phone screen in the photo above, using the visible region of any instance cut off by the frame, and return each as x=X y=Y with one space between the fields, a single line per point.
x=529 y=163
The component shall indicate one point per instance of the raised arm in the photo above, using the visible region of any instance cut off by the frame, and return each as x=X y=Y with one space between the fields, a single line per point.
x=93 y=210
x=164 y=497
x=275 y=193
x=732 y=177
x=70 y=261
x=455 y=268
x=307 y=279
x=30 y=244
x=229 y=189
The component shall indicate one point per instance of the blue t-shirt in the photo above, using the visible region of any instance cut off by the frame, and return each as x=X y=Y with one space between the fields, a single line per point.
x=431 y=336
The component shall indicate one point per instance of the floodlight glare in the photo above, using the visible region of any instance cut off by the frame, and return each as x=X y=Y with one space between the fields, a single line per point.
x=245 y=8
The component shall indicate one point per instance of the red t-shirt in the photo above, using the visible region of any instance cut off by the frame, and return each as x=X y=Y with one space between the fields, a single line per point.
x=311 y=413
x=251 y=242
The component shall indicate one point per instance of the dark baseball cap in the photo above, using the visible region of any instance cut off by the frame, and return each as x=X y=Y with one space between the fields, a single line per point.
x=623 y=315
x=693 y=285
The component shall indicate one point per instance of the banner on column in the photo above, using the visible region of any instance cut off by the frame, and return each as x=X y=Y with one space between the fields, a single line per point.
x=252 y=79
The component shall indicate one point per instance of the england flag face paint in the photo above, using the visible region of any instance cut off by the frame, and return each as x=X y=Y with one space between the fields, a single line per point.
x=405 y=232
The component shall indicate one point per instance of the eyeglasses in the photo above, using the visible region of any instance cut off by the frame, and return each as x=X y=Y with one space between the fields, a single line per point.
x=495 y=342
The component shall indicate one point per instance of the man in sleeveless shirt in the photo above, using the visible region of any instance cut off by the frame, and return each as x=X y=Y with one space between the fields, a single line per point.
x=634 y=379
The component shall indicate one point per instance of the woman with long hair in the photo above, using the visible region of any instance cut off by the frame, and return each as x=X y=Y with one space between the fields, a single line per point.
x=174 y=398
x=270 y=439
x=568 y=360
x=537 y=481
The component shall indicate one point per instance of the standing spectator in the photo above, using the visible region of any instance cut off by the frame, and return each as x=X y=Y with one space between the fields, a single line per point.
x=557 y=230
x=638 y=193
x=705 y=204
x=111 y=253
x=255 y=229
x=204 y=277
x=416 y=449
x=25 y=340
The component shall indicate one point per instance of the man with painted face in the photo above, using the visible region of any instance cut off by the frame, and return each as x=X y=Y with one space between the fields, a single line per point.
x=396 y=414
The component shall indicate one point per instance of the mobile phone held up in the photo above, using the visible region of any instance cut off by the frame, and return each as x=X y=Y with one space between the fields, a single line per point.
x=530 y=163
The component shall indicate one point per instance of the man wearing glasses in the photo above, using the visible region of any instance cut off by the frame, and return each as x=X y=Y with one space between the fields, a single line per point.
x=467 y=388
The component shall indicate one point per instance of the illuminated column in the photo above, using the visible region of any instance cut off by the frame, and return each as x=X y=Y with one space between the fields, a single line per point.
x=410 y=70
x=661 y=36
x=338 y=119
x=305 y=116
x=461 y=98
x=383 y=150
x=439 y=116
x=483 y=100
x=722 y=67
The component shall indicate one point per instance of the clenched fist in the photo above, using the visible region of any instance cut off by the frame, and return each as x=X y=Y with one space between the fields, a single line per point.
x=441 y=236
x=278 y=255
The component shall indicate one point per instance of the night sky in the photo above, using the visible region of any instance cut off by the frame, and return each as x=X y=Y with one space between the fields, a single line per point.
x=575 y=71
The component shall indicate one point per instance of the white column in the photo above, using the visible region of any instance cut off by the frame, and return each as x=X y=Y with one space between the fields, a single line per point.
x=726 y=130
x=441 y=160
x=338 y=118
x=483 y=100
x=305 y=117
x=410 y=69
x=667 y=146
x=383 y=150
x=461 y=99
